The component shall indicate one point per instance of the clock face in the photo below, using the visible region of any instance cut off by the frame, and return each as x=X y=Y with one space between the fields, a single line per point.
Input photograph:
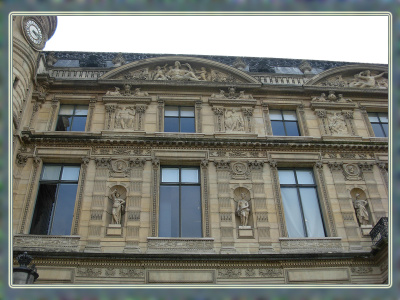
x=33 y=33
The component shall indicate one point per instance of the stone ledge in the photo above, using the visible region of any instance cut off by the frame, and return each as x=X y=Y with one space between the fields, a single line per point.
x=311 y=245
x=180 y=245
x=56 y=243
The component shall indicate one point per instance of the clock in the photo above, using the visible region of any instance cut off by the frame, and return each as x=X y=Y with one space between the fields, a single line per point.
x=33 y=33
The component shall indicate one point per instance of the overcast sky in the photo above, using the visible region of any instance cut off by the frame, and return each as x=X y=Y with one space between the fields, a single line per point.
x=336 y=38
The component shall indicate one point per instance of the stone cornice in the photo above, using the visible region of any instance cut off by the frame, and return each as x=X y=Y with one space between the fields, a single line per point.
x=252 y=143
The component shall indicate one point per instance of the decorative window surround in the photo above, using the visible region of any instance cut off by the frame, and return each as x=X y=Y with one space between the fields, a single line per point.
x=70 y=99
x=22 y=242
x=311 y=245
x=180 y=245
x=196 y=102
x=371 y=107
x=287 y=104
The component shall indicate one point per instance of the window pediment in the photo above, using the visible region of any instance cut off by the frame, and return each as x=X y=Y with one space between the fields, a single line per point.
x=178 y=69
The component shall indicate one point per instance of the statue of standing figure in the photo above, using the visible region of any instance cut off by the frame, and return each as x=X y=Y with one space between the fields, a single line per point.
x=243 y=209
x=361 y=210
x=117 y=207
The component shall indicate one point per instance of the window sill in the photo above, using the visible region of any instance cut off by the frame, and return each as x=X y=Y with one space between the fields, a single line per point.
x=311 y=245
x=57 y=243
x=180 y=245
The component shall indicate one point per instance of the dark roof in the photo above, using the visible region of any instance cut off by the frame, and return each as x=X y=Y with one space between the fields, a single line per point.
x=254 y=64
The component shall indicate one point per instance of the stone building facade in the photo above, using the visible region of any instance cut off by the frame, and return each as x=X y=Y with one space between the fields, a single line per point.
x=179 y=169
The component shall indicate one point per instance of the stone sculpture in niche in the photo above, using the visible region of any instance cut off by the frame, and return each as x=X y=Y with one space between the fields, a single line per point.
x=365 y=79
x=117 y=207
x=124 y=118
x=361 y=210
x=337 y=124
x=233 y=120
x=243 y=209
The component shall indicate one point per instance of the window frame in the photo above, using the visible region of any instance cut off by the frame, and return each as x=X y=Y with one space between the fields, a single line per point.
x=55 y=182
x=73 y=115
x=283 y=121
x=179 y=184
x=298 y=186
x=179 y=117
x=386 y=134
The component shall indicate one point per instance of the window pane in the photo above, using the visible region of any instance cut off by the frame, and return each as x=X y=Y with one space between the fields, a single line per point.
x=171 y=124
x=171 y=111
x=78 y=124
x=70 y=173
x=373 y=117
x=286 y=177
x=190 y=175
x=292 y=129
x=51 y=172
x=289 y=115
x=187 y=125
x=187 y=111
x=383 y=117
x=66 y=110
x=43 y=209
x=169 y=211
x=190 y=211
x=312 y=213
x=305 y=176
x=170 y=175
x=291 y=207
x=378 y=130
x=64 y=209
x=81 y=110
x=275 y=115
x=277 y=128
x=385 y=129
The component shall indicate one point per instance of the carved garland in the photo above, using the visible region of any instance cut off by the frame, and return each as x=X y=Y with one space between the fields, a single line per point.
x=85 y=163
x=319 y=167
x=156 y=166
x=204 y=169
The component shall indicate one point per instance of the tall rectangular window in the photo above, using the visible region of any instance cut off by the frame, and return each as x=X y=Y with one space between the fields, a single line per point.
x=72 y=118
x=379 y=123
x=180 y=202
x=284 y=122
x=55 y=200
x=179 y=119
x=300 y=203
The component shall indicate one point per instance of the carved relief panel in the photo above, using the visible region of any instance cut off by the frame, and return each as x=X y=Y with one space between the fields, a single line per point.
x=335 y=114
x=233 y=111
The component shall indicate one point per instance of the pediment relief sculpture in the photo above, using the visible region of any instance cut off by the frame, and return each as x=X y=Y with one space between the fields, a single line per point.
x=178 y=71
x=359 y=79
x=178 y=68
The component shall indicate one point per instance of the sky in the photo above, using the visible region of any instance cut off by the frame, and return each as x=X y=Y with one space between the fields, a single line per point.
x=335 y=38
